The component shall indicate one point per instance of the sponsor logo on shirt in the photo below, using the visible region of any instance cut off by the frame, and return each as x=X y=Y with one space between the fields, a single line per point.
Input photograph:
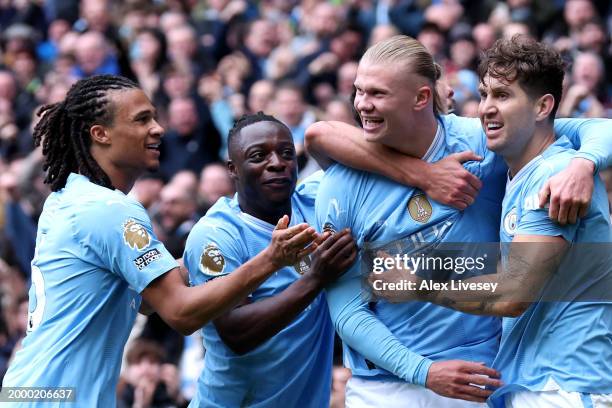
x=510 y=222
x=212 y=261
x=147 y=258
x=420 y=208
x=135 y=235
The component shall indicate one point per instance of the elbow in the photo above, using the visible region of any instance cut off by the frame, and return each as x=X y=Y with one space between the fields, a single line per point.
x=183 y=326
x=512 y=309
x=313 y=135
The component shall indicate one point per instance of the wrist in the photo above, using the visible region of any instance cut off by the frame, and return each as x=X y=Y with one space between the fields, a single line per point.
x=583 y=163
x=270 y=259
x=314 y=281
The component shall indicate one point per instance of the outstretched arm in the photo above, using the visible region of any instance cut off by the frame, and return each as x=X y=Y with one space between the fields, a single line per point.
x=445 y=181
x=187 y=309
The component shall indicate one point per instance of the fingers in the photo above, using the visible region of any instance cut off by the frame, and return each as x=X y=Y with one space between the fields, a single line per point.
x=564 y=208
x=483 y=381
x=467 y=155
x=584 y=209
x=470 y=396
x=544 y=194
x=479 y=368
x=308 y=250
x=473 y=181
x=572 y=215
x=553 y=211
x=303 y=238
x=282 y=223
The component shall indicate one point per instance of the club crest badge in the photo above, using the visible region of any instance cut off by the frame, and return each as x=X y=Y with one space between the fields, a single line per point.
x=510 y=222
x=135 y=235
x=329 y=227
x=420 y=208
x=303 y=265
x=212 y=262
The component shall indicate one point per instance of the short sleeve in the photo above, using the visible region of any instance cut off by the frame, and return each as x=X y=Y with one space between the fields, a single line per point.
x=212 y=250
x=534 y=220
x=119 y=234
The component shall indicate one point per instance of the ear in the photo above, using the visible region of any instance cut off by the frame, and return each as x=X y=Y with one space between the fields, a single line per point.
x=99 y=135
x=423 y=96
x=544 y=106
x=231 y=168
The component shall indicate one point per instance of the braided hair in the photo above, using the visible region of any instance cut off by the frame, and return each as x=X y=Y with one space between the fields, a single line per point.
x=63 y=130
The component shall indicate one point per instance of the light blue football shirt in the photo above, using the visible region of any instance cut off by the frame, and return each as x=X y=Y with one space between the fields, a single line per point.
x=400 y=341
x=95 y=253
x=564 y=344
x=291 y=369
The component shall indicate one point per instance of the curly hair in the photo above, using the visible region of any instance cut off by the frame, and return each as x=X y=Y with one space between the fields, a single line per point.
x=538 y=67
x=246 y=120
x=63 y=130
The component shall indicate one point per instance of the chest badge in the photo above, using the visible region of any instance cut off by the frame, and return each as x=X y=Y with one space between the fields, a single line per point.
x=303 y=265
x=510 y=222
x=420 y=208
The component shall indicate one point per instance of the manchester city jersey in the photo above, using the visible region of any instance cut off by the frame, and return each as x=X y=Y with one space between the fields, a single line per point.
x=95 y=253
x=563 y=342
x=293 y=368
x=397 y=340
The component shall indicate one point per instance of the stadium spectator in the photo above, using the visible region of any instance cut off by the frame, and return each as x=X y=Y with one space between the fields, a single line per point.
x=214 y=183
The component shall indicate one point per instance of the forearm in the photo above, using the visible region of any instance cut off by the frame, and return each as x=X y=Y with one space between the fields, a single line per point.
x=593 y=137
x=186 y=309
x=330 y=142
x=246 y=327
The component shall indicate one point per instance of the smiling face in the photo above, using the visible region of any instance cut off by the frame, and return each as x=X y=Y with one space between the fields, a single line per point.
x=384 y=98
x=264 y=165
x=508 y=116
x=134 y=134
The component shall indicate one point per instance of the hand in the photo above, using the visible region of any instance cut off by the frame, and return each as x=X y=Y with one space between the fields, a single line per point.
x=291 y=244
x=333 y=257
x=460 y=379
x=570 y=192
x=143 y=393
x=450 y=183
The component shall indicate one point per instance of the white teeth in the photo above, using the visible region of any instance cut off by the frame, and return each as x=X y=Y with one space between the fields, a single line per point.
x=493 y=126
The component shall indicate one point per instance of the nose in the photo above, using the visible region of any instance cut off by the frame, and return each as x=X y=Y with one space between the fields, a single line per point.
x=157 y=129
x=362 y=103
x=486 y=106
x=276 y=162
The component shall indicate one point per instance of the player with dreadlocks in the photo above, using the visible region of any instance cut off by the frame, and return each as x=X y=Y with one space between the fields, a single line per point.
x=96 y=253
x=275 y=348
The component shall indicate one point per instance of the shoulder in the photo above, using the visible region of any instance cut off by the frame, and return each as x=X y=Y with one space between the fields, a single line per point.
x=463 y=134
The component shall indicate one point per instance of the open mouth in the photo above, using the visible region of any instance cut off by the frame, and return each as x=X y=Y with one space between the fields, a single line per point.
x=371 y=124
x=493 y=127
x=153 y=146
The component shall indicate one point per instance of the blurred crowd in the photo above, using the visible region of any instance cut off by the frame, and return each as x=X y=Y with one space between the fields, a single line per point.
x=204 y=63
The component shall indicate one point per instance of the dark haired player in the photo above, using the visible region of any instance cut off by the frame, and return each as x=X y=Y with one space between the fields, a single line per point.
x=96 y=253
x=275 y=348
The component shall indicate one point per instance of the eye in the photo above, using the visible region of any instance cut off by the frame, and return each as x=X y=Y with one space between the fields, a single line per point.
x=288 y=154
x=483 y=95
x=358 y=91
x=256 y=156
